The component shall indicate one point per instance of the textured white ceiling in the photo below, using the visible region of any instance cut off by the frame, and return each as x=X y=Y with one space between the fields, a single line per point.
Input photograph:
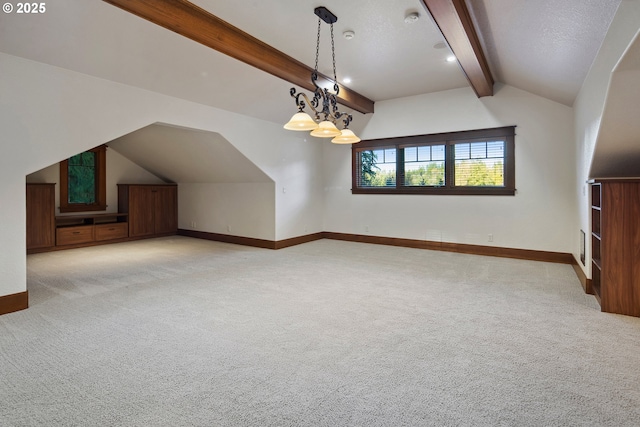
x=98 y=39
x=542 y=46
x=386 y=59
x=545 y=47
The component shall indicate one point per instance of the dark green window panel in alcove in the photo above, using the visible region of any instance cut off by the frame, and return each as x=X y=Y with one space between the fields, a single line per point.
x=82 y=178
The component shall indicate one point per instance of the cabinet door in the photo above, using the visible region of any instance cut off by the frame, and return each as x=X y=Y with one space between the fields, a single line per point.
x=166 y=210
x=40 y=216
x=620 y=249
x=141 y=211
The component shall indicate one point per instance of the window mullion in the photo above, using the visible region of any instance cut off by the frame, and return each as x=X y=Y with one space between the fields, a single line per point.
x=399 y=167
x=449 y=164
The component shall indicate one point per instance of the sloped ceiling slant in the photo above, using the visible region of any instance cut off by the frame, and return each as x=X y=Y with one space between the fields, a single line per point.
x=185 y=155
x=195 y=23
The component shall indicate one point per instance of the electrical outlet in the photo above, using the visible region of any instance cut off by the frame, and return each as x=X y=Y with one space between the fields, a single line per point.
x=490 y=239
x=228 y=228
x=366 y=228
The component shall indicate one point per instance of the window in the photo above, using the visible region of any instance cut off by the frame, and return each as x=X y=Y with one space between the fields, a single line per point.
x=379 y=168
x=83 y=182
x=424 y=166
x=479 y=162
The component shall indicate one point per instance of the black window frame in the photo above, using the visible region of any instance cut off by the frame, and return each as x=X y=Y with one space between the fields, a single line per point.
x=449 y=139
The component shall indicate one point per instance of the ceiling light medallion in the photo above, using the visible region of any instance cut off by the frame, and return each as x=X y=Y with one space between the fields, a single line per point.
x=324 y=104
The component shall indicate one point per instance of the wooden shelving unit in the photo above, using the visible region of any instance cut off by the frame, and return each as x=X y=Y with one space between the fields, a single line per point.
x=144 y=211
x=615 y=239
x=80 y=229
x=596 y=239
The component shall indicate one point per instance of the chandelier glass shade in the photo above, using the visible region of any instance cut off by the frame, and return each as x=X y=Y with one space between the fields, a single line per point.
x=323 y=105
x=325 y=129
x=346 y=137
x=301 y=121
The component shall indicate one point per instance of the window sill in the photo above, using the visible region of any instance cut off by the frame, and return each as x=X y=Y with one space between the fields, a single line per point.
x=82 y=208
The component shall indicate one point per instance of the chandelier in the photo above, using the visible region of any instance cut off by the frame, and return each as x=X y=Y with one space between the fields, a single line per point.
x=324 y=104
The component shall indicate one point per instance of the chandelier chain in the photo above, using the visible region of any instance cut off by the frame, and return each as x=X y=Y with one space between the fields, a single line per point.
x=318 y=46
x=324 y=103
x=333 y=54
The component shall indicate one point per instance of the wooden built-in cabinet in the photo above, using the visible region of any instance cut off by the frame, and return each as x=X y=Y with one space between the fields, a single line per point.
x=91 y=228
x=144 y=211
x=41 y=226
x=615 y=244
x=152 y=209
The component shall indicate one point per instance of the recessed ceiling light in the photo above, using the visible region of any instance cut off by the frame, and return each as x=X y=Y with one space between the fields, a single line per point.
x=411 y=18
x=349 y=34
x=346 y=80
x=440 y=45
x=451 y=58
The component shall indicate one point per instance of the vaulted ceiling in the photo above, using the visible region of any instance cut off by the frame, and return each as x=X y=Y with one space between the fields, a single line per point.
x=545 y=47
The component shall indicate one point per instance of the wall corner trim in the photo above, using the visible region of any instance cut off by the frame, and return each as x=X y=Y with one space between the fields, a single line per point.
x=227 y=238
x=584 y=281
x=14 y=302
x=249 y=241
x=527 y=254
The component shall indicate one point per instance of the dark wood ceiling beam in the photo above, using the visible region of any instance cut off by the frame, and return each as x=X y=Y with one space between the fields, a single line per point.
x=454 y=21
x=195 y=23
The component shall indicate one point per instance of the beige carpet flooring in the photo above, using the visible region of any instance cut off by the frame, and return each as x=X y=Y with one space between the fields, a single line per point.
x=185 y=332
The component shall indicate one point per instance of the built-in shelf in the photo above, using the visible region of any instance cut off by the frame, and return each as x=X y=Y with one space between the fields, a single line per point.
x=90 y=228
x=596 y=239
x=90 y=219
x=145 y=211
x=615 y=237
x=595 y=195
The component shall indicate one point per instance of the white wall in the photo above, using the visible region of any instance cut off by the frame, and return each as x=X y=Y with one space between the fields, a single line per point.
x=120 y=170
x=48 y=114
x=541 y=214
x=589 y=107
x=241 y=209
x=298 y=210
x=291 y=206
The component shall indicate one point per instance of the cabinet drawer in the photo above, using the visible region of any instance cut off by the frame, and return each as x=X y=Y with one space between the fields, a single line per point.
x=74 y=235
x=116 y=230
